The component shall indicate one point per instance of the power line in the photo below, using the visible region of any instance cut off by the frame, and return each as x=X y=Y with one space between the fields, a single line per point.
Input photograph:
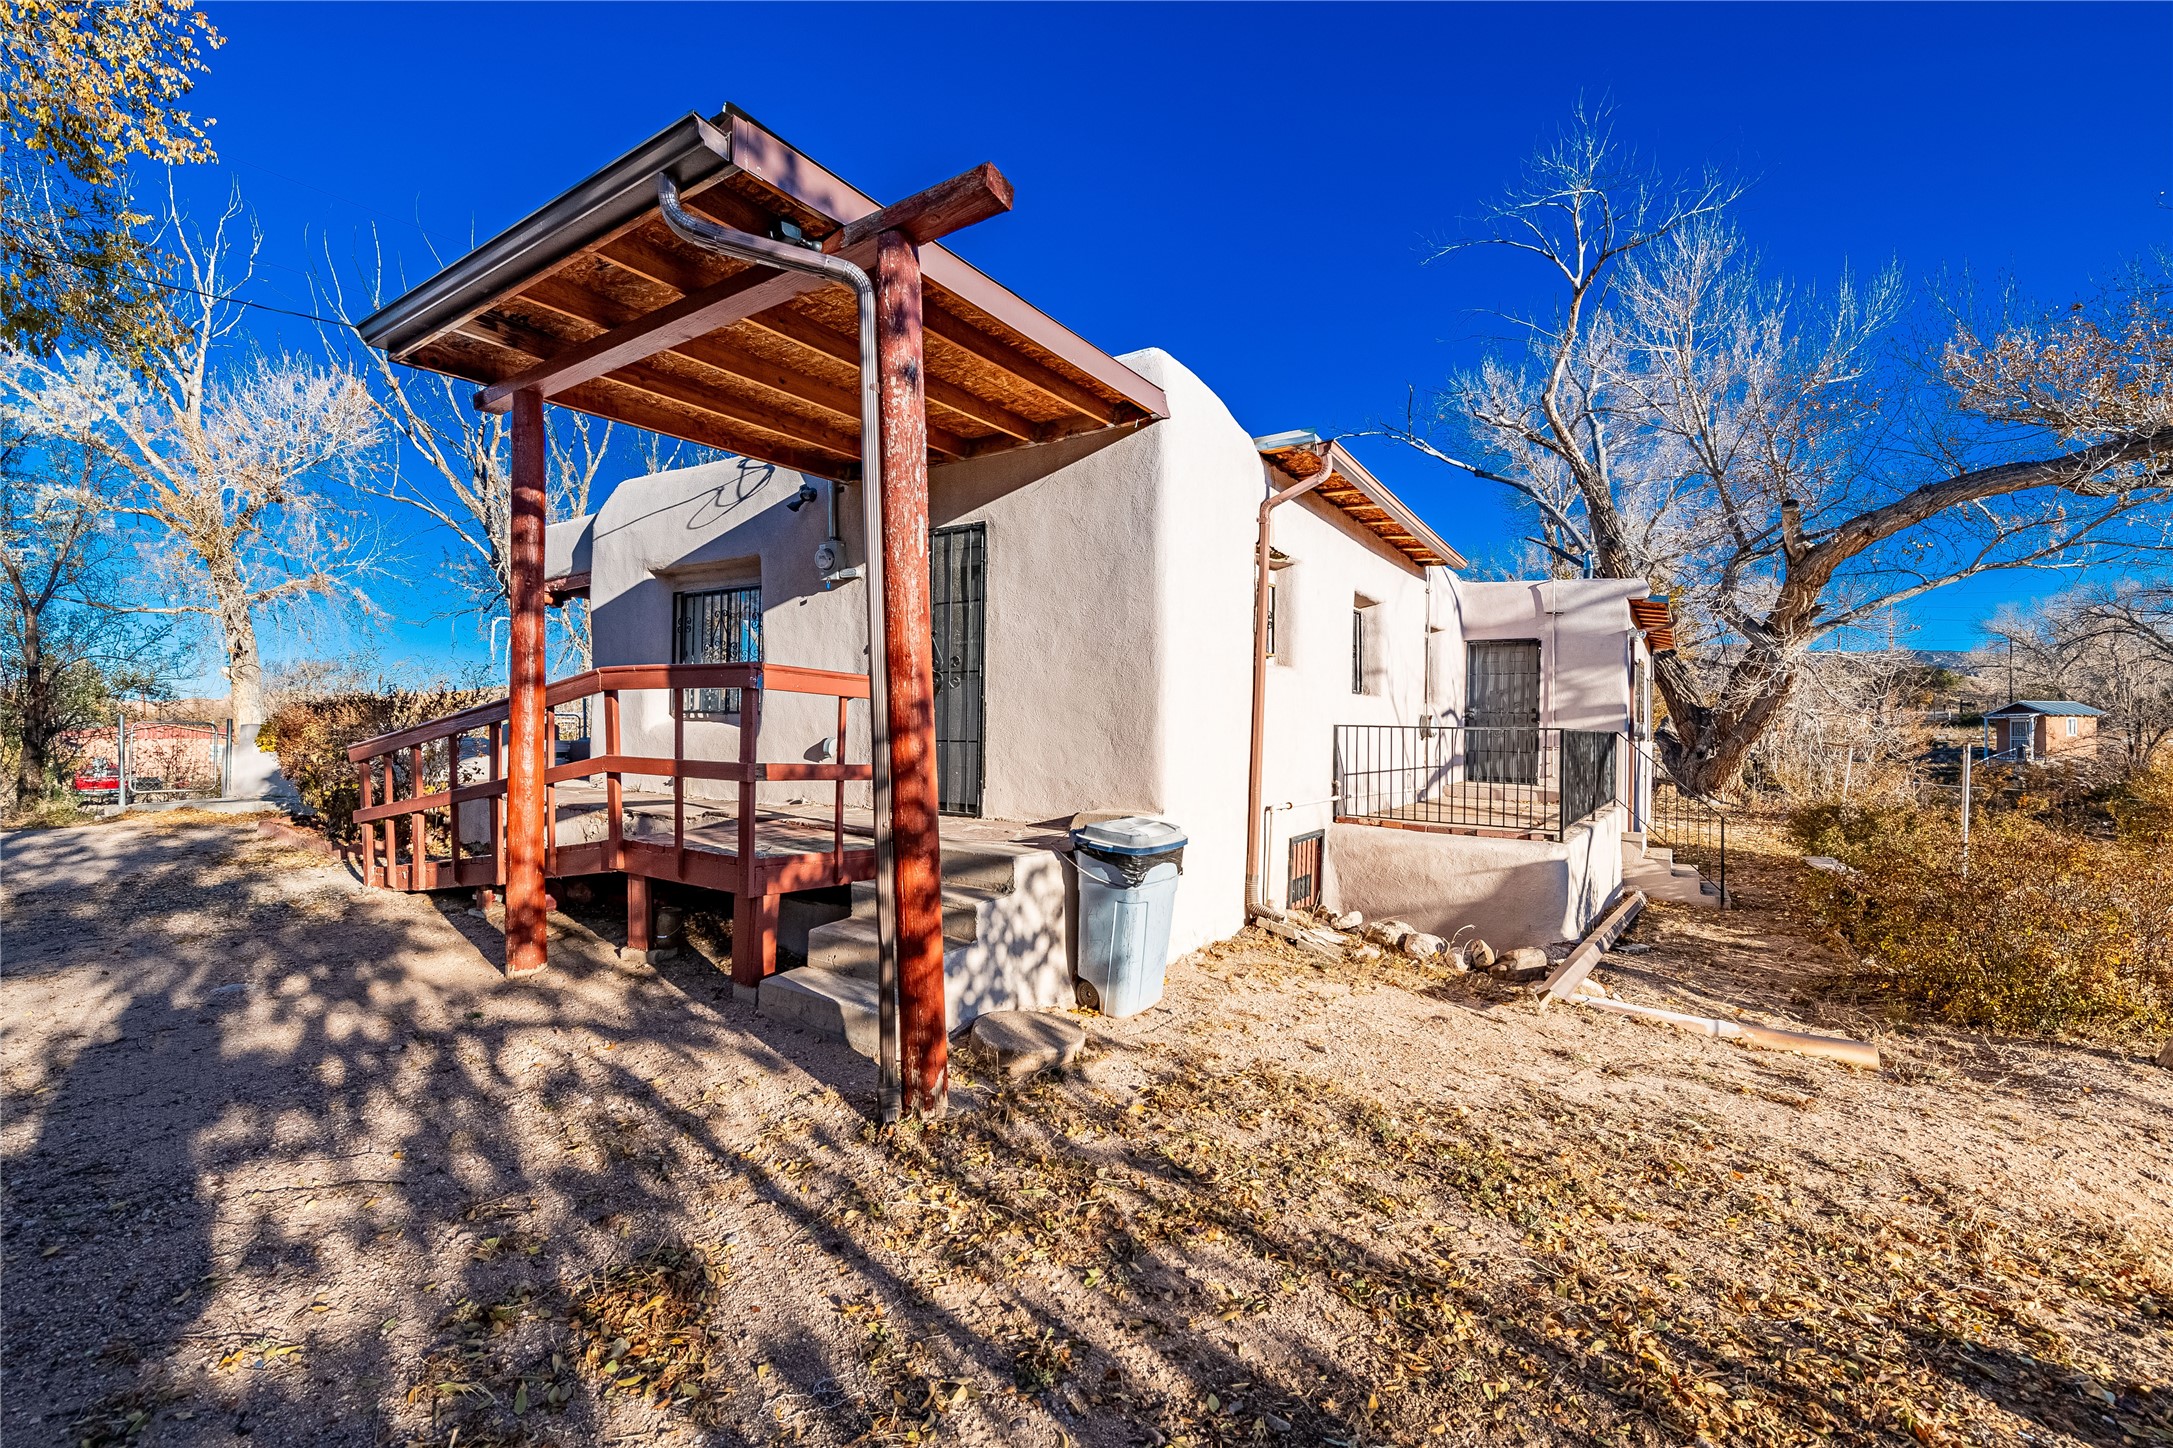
x=245 y=302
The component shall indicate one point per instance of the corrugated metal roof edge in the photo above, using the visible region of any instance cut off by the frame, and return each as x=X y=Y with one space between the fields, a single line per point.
x=1340 y=461
x=2050 y=706
x=691 y=149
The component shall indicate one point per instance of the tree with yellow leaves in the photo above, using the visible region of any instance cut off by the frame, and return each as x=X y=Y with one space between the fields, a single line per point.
x=85 y=88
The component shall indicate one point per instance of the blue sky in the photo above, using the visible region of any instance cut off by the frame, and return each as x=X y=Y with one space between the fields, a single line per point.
x=1251 y=188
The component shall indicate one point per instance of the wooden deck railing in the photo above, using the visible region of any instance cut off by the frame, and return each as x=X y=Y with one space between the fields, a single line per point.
x=434 y=751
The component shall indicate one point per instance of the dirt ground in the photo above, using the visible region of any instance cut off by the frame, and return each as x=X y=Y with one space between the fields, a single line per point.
x=288 y=1160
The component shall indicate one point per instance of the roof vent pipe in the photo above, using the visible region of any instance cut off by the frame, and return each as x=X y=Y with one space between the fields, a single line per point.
x=783 y=255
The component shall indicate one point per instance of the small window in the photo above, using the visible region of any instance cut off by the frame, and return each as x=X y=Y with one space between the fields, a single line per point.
x=1278 y=641
x=2072 y=721
x=1304 y=893
x=1358 y=650
x=716 y=626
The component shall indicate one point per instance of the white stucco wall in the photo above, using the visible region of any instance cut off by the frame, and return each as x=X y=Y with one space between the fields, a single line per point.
x=1118 y=622
x=1583 y=628
x=1506 y=892
x=1119 y=633
x=1333 y=563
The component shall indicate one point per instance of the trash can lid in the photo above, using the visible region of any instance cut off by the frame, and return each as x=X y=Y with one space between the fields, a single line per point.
x=1132 y=835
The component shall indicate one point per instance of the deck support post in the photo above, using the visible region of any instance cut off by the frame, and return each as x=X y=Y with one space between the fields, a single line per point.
x=528 y=758
x=638 y=918
x=923 y=1025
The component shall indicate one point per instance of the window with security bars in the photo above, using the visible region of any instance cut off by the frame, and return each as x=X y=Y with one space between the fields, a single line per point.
x=1305 y=852
x=716 y=626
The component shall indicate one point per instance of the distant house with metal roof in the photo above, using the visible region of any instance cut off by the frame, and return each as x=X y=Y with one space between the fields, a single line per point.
x=2042 y=728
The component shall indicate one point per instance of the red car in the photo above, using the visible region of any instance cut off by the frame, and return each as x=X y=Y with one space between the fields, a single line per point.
x=98 y=777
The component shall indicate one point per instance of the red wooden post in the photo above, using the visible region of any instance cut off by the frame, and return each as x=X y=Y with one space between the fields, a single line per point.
x=392 y=829
x=529 y=756
x=679 y=784
x=418 y=823
x=837 y=819
x=614 y=795
x=754 y=914
x=497 y=806
x=923 y=1051
x=637 y=917
x=369 y=830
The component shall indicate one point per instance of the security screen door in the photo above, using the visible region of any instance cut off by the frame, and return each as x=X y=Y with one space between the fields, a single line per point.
x=958 y=611
x=1502 y=712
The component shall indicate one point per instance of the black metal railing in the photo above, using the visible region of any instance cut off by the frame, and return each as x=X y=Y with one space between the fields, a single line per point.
x=1695 y=828
x=1531 y=781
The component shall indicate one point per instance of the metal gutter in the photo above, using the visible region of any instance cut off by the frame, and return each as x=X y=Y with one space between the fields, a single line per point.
x=690 y=151
x=762 y=251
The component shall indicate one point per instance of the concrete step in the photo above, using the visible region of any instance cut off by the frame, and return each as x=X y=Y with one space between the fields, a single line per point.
x=982 y=866
x=832 y=1002
x=1671 y=884
x=850 y=944
x=1003 y=909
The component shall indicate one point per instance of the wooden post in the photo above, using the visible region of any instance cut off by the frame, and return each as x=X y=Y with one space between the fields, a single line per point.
x=529 y=755
x=418 y=827
x=754 y=913
x=369 y=831
x=614 y=795
x=637 y=918
x=923 y=1060
x=497 y=806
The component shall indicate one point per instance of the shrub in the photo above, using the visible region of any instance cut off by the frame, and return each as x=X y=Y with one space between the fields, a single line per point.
x=2050 y=930
x=310 y=734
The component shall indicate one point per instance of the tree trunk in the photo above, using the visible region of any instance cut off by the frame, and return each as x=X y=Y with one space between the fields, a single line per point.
x=1712 y=742
x=33 y=762
x=244 y=670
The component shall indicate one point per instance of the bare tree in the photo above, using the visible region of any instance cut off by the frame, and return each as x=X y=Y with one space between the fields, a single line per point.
x=63 y=656
x=449 y=462
x=223 y=465
x=1779 y=462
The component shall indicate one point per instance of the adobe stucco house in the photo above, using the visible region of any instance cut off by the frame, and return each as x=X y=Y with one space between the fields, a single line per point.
x=1093 y=605
x=2043 y=728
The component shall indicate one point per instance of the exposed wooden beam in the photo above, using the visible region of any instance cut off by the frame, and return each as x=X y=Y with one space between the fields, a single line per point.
x=969 y=338
x=636 y=255
x=948 y=206
x=795 y=328
x=593 y=308
x=734 y=299
x=609 y=398
x=941 y=209
x=688 y=392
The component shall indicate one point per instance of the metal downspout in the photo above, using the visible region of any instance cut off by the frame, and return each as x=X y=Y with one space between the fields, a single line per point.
x=1255 y=869
x=762 y=251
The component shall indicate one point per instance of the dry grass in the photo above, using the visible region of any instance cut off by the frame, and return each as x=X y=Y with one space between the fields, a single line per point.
x=2041 y=928
x=1632 y=1278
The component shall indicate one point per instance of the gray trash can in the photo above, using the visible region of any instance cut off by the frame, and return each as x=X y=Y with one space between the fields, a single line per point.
x=1128 y=871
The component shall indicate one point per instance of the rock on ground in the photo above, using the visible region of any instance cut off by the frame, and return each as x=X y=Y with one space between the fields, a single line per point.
x=1525 y=960
x=1024 y=1043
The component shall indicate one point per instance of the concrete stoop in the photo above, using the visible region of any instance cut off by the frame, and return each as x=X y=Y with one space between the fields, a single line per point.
x=1652 y=869
x=1003 y=932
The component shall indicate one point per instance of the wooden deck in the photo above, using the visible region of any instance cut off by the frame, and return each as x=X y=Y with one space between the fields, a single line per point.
x=455 y=836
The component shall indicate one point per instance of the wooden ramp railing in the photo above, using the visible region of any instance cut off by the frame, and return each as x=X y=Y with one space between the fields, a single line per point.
x=763 y=860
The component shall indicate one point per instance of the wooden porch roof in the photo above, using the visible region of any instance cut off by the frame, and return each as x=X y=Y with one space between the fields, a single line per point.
x=1358 y=493
x=759 y=362
x=1651 y=616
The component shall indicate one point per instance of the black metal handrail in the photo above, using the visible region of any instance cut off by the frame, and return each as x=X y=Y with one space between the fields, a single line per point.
x=1531 y=781
x=1693 y=827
